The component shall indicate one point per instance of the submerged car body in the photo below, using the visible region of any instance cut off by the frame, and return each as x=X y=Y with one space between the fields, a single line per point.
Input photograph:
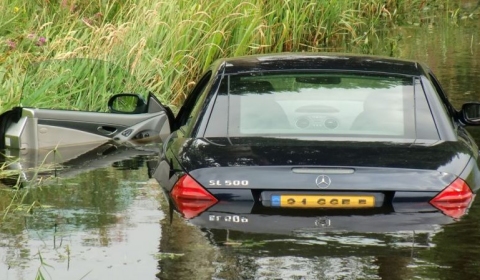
x=327 y=132
x=322 y=131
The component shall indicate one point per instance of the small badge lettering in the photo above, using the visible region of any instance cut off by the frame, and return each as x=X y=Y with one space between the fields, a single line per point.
x=228 y=183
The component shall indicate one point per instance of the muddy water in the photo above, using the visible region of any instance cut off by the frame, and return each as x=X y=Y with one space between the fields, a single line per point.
x=113 y=222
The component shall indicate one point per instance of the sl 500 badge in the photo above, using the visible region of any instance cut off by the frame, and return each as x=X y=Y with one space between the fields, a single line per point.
x=228 y=183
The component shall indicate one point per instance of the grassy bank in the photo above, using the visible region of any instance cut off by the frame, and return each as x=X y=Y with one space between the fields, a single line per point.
x=167 y=44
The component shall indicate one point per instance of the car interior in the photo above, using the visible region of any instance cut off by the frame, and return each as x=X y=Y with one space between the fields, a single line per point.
x=270 y=106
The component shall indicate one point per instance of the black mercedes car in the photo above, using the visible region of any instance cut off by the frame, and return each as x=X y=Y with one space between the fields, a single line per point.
x=326 y=132
x=315 y=132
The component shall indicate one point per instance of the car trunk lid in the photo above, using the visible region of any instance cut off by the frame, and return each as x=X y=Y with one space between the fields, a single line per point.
x=292 y=164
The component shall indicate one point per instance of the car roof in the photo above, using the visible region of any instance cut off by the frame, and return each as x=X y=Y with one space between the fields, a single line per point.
x=321 y=61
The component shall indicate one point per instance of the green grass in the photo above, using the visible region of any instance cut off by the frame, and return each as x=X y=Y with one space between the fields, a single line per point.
x=15 y=186
x=168 y=44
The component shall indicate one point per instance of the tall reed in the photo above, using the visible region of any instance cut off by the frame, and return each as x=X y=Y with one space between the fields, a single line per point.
x=168 y=44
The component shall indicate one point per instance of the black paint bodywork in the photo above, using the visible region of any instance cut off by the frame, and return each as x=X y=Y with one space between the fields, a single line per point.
x=404 y=170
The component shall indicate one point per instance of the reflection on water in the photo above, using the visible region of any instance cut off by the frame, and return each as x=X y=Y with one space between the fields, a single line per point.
x=446 y=252
x=92 y=225
x=452 y=52
x=109 y=222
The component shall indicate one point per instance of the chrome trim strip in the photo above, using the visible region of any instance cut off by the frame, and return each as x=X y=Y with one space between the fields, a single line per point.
x=310 y=170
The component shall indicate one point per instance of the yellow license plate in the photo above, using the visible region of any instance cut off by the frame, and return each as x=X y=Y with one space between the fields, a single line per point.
x=323 y=201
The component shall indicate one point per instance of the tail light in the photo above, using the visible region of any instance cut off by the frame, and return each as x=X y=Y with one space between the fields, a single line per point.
x=454 y=200
x=190 y=197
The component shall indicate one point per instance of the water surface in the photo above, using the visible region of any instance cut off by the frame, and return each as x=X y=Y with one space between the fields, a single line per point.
x=98 y=224
x=113 y=222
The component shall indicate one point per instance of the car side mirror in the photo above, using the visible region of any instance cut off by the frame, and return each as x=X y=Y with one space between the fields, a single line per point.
x=470 y=113
x=127 y=103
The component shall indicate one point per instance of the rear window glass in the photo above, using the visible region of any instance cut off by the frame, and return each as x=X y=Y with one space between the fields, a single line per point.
x=306 y=104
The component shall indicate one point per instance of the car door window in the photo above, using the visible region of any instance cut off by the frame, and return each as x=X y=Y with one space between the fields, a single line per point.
x=193 y=103
x=441 y=93
x=425 y=126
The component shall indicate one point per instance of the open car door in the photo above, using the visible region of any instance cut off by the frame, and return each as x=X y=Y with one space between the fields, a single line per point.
x=82 y=102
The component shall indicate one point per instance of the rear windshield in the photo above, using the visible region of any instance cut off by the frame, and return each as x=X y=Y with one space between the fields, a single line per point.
x=306 y=104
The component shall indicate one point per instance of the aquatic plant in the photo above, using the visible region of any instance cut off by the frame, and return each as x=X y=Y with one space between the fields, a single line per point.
x=14 y=187
x=168 y=44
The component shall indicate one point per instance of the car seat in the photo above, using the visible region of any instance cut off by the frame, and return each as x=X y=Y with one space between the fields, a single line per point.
x=259 y=109
x=382 y=114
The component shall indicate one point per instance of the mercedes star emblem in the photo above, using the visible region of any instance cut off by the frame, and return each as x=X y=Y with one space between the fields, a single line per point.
x=323 y=181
